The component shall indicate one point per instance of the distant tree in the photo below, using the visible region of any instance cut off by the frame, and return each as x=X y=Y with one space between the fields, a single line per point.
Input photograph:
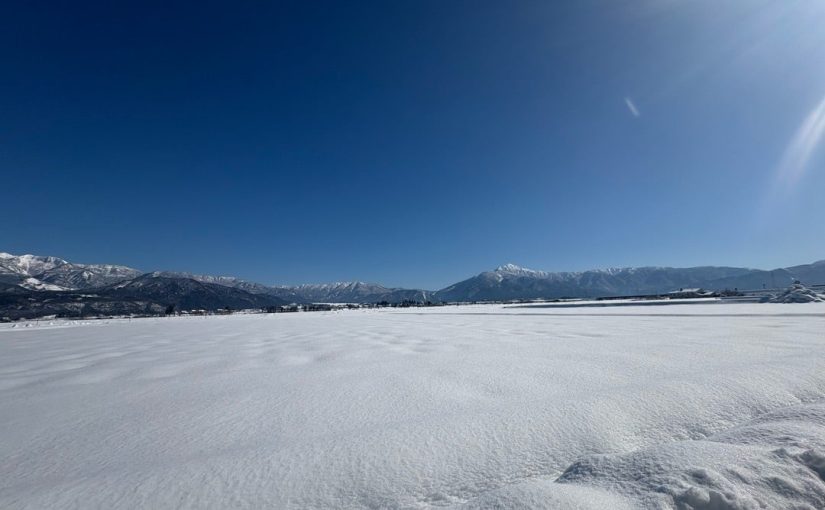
x=170 y=310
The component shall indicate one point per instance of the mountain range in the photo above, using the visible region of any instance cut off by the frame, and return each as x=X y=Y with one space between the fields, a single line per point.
x=32 y=285
x=51 y=273
x=340 y=292
x=511 y=282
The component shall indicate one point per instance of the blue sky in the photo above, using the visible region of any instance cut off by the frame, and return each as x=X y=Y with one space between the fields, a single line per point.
x=413 y=143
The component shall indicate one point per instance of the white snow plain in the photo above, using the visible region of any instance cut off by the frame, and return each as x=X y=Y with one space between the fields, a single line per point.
x=684 y=406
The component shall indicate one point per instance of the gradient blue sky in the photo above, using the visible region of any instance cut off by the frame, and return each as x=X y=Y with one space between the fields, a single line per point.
x=413 y=143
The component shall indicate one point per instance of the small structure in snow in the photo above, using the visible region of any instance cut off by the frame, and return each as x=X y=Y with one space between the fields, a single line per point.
x=690 y=293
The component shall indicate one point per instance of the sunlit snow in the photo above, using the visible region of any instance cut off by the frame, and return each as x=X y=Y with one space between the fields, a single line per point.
x=682 y=406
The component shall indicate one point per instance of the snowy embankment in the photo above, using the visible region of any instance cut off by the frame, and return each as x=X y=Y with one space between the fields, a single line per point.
x=700 y=406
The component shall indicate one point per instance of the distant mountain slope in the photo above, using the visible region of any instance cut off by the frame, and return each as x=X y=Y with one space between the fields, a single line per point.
x=810 y=274
x=33 y=272
x=52 y=273
x=42 y=278
x=342 y=292
x=755 y=279
x=511 y=282
x=147 y=294
x=351 y=292
x=226 y=281
x=186 y=293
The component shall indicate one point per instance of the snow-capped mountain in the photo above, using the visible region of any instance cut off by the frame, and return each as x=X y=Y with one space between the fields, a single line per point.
x=226 y=281
x=350 y=292
x=29 y=279
x=36 y=272
x=510 y=282
x=339 y=292
x=41 y=273
x=151 y=293
x=187 y=293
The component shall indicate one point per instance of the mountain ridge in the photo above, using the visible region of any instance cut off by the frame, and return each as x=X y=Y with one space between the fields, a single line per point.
x=511 y=282
x=37 y=272
x=44 y=274
x=148 y=294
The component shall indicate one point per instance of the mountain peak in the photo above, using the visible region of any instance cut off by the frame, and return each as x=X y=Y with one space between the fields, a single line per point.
x=513 y=268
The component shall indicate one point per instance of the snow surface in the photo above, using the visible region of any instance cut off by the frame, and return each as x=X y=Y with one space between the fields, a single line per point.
x=700 y=406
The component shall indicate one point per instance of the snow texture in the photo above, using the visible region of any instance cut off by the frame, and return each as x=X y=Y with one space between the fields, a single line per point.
x=703 y=406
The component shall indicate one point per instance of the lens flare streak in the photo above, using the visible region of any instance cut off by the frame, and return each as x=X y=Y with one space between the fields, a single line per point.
x=802 y=146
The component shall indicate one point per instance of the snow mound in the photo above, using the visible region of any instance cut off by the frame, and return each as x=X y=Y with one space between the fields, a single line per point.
x=798 y=293
x=774 y=461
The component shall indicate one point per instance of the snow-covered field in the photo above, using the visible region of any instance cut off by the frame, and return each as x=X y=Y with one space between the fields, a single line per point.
x=683 y=406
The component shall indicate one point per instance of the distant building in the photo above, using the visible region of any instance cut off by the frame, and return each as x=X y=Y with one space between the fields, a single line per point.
x=690 y=293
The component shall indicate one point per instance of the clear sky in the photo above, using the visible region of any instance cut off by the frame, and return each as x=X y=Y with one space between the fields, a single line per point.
x=413 y=143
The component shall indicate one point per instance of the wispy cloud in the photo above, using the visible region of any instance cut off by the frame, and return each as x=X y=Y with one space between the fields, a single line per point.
x=801 y=148
x=632 y=107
